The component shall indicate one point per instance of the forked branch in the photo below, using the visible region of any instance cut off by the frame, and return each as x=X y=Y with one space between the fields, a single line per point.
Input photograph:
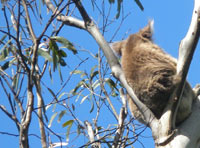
x=186 y=50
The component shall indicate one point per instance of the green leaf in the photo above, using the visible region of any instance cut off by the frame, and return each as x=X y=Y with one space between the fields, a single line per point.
x=78 y=96
x=92 y=105
x=79 y=72
x=54 y=47
x=45 y=54
x=111 y=83
x=5 y=65
x=94 y=74
x=66 y=43
x=73 y=107
x=95 y=84
x=62 y=62
x=62 y=113
x=139 y=4
x=16 y=80
x=52 y=118
x=53 y=94
x=60 y=73
x=111 y=1
x=118 y=8
x=5 y=51
x=68 y=123
x=93 y=68
x=61 y=53
x=114 y=94
x=3 y=38
x=76 y=72
x=60 y=96
x=78 y=86
x=79 y=130
x=84 y=98
x=50 y=74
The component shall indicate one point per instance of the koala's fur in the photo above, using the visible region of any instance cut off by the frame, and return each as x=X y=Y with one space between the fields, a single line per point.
x=151 y=73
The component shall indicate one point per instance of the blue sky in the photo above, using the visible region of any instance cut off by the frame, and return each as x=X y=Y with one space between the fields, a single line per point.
x=171 y=21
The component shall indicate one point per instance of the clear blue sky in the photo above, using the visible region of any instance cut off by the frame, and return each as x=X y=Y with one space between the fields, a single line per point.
x=172 y=19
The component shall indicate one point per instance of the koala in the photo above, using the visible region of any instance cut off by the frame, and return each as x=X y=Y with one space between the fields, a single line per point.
x=151 y=73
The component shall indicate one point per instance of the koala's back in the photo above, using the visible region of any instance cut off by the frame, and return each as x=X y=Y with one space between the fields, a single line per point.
x=150 y=72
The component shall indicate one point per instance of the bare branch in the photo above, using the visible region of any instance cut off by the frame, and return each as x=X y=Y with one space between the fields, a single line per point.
x=14 y=94
x=90 y=134
x=103 y=88
x=68 y=20
x=71 y=21
x=12 y=117
x=40 y=107
x=29 y=21
x=122 y=117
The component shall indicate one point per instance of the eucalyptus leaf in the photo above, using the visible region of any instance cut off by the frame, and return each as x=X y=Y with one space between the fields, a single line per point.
x=111 y=83
x=139 y=4
x=94 y=74
x=66 y=43
x=52 y=118
x=62 y=53
x=3 y=38
x=62 y=62
x=76 y=72
x=5 y=51
x=67 y=123
x=54 y=47
x=84 y=98
x=60 y=73
x=118 y=8
x=62 y=113
x=45 y=54
x=5 y=65
x=92 y=105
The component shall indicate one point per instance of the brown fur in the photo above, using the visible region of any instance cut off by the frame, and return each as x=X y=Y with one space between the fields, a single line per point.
x=149 y=71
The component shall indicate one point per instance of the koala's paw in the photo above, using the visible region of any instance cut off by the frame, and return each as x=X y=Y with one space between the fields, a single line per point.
x=196 y=90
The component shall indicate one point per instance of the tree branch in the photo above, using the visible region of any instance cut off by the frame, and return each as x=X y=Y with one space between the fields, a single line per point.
x=40 y=106
x=71 y=21
x=29 y=21
x=186 y=50
x=12 y=117
x=122 y=117
x=68 y=20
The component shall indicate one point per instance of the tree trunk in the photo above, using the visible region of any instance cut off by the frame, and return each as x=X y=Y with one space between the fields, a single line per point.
x=23 y=137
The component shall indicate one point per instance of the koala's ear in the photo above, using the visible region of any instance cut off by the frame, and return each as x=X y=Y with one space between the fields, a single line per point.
x=117 y=47
x=147 y=31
